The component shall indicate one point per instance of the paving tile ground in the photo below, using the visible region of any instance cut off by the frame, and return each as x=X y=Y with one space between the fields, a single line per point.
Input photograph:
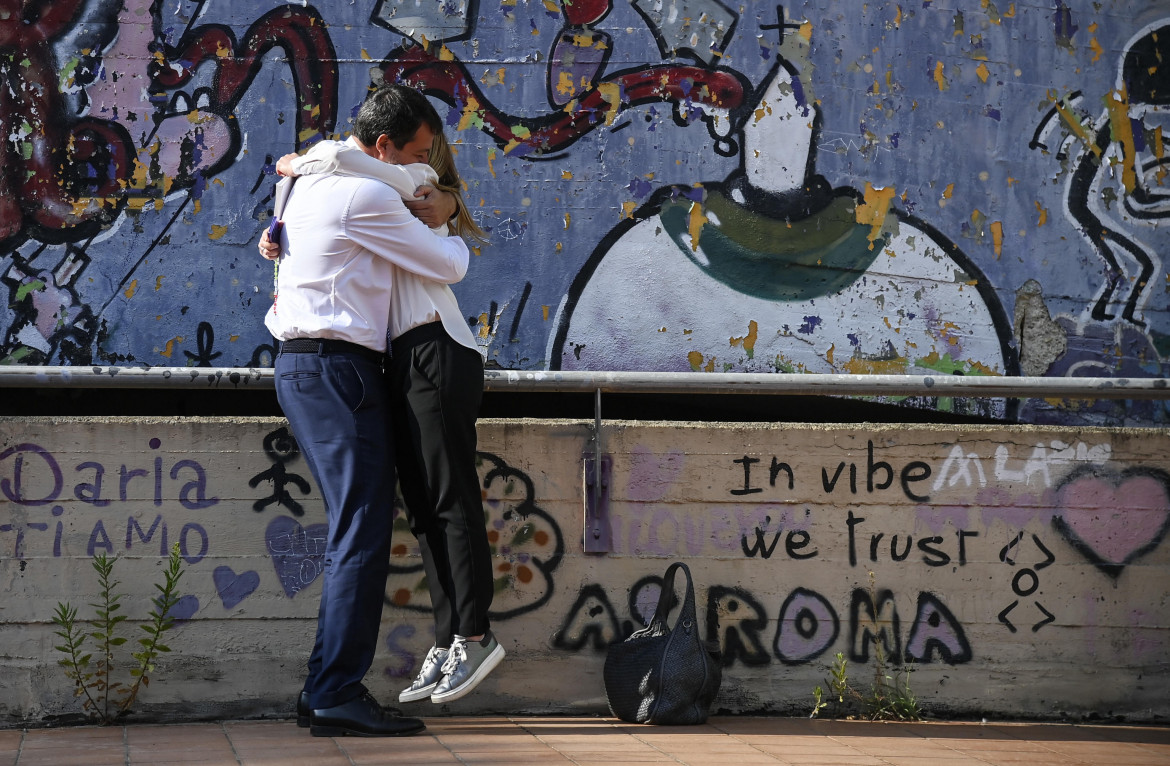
x=596 y=741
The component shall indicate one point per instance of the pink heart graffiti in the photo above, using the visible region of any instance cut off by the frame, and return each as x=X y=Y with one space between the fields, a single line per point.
x=1113 y=518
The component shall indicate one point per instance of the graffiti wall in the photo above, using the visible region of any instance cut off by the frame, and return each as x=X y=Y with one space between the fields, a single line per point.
x=972 y=187
x=1017 y=571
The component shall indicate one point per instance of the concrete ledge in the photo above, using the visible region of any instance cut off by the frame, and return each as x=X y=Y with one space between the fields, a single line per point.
x=1020 y=569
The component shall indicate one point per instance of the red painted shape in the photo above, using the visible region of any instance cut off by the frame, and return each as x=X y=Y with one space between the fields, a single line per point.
x=582 y=12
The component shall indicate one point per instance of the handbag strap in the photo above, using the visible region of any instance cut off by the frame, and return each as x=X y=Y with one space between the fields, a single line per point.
x=687 y=613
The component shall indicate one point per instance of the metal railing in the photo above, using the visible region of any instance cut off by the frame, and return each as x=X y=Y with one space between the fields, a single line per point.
x=786 y=384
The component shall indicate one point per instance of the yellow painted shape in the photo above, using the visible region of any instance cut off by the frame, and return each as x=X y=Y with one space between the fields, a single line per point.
x=982 y=71
x=696 y=360
x=568 y=220
x=484 y=326
x=873 y=210
x=131 y=288
x=170 y=349
x=565 y=85
x=1117 y=103
x=1075 y=125
x=544 y=312
x=611 y=93
x=997 y=237
x=939 y=78
x=1043 y=219
x=158 y=282
x=472 y=116
x=365 y=55
x=696 y=224
x=141 y=175
x=196 y=117
x=628 y=209
x=762 y=111
x=859 y=366
x=217 y=231
x=491 y=159
x=947 y=192
x=991 y=11
x=748 y=341
x=566 y=175
x=1159 y=149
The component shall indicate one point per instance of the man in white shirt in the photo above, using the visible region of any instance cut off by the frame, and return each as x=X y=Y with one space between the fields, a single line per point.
x=343 y=240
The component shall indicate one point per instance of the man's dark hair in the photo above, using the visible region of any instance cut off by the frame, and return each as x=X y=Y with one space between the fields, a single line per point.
x=396 y=111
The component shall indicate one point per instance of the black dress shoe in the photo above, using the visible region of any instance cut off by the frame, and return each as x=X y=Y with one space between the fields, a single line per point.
x=361 y=717
x=303 y=711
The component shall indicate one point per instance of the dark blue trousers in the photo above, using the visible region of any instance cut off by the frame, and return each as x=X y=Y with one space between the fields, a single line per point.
x=337 y=406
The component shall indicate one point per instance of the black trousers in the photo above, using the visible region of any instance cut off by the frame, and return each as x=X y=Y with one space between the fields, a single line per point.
x=436 y=386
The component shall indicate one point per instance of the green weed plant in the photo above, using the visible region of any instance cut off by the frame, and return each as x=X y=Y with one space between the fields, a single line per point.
x=106 y=699
x=889 y=697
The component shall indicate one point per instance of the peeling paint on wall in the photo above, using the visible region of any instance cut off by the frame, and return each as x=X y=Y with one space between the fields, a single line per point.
x=141 y=138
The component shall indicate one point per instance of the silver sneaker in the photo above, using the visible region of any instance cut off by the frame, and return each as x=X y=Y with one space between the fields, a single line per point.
x=428 y=677
x=468 y=663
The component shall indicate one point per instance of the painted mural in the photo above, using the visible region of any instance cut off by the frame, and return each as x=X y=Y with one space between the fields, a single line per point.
x=975 y=187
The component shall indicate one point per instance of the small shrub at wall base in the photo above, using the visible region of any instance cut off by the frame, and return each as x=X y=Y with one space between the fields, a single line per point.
x=105 y=698
x=889 y=699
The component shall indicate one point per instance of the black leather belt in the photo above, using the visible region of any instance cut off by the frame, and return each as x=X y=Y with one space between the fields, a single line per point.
x=329 y=345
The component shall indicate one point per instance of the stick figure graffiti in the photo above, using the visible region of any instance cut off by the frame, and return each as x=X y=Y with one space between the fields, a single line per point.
x=1119 y=168
x=281 y=448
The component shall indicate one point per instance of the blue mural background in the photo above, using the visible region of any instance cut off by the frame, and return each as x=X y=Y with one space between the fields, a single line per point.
x=141 y=136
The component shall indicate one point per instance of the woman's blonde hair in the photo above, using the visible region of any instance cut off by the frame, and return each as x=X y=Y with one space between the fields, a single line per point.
x=442 y=159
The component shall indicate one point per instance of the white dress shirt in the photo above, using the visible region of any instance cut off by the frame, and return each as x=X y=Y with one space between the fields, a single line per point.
x=346 y=241
x=415 y=299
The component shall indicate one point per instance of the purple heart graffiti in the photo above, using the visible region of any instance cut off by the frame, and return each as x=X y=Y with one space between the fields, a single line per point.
x=234 y=588
x=185 y=608
x=1113 y=517
x=298 y=553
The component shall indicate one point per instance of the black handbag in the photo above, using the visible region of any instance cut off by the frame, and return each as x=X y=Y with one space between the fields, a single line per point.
x=664 y=675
